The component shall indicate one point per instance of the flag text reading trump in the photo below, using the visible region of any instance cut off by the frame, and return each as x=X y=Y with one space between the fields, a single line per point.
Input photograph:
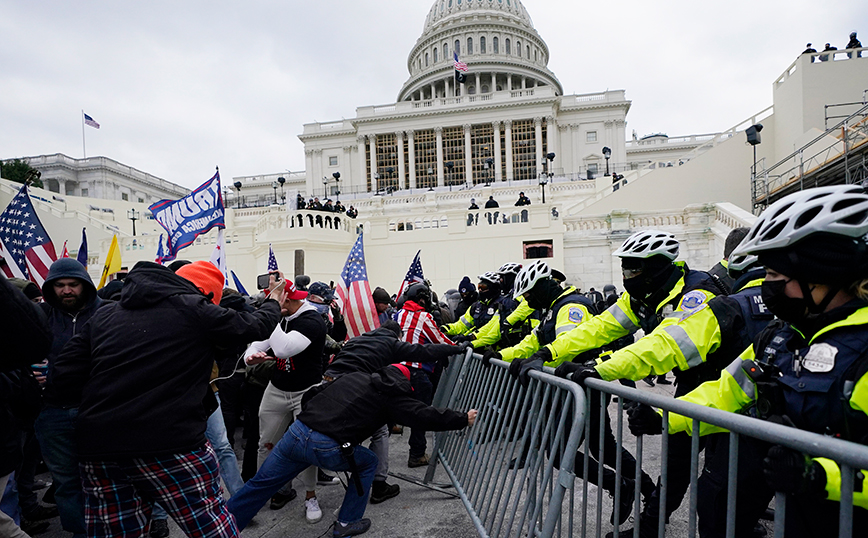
x=190 y=216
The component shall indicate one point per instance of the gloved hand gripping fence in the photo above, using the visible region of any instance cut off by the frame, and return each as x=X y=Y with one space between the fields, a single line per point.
x=347 y=450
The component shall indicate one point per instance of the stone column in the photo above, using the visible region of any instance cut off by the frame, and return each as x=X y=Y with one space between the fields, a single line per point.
x=575 y=131
x=411 y=146
x=497 y=160
x=509 y=81
x=399 y=138
x=439 y=132
x=317 y=163
x=508 y=136
x=468 y=155
x=433 y=91
x=537 y=127
x=308 y=166
x=551 y=136
x=347 y=166
x=620 y=149
x=478 y=86
x=449 y=92
x=362 y=173
x=372 y=143
x=523 y=83
x=61 y=187
x=565 y=156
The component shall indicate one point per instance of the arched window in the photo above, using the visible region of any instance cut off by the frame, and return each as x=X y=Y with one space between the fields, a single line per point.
x=426 y=57
x=508 y=49
x=494 y=44
x=528 y=52
x=436 y=59
x=445 y=51
x=518 y=48
x=482 y=45
x=469 y=45
x=535 y=55
x=457 y=48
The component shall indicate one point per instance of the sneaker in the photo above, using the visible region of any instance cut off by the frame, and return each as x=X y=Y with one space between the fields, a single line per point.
x=159 y=528
x=41 y=512
x=381 y=491
x=325 y=479
x=351 y=529
x=418 y=461
x=279 y=500
x=649 y=380
x=32 y=528
x=312 y=512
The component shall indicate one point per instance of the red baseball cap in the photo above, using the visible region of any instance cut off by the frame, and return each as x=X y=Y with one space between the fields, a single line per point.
x=294 y=293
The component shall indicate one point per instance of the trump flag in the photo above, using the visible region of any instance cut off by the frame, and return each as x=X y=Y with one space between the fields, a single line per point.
x=192 y=215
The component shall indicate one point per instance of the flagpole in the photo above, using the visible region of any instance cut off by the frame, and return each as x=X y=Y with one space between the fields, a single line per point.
x=83 y=150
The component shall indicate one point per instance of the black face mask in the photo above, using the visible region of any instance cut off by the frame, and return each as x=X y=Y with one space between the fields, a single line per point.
x=790 y=309
x=652 y=288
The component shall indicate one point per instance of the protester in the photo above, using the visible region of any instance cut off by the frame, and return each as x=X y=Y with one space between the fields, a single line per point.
x=296 y=344
x=25 y=331
x=385 y=305
x=140 y=367
x=347 y=410
x=468 y=293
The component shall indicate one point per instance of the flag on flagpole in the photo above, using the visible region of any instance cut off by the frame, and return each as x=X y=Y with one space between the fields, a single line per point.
x=82 y=249
x=112 y=262
x=218 y=256
x=64 y=253
x=24 y=243
x=160 y=252
x=192 y=215
x=460 y=69
x=238 y=285
x=90 y=121
x=414 y=275
x=272 y=261
x=354 y=291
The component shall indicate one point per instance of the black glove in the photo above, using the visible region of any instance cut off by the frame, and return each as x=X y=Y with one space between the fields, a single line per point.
x=581 y=372
x=643 y=420
x=460 y=339
x=791 y=471
x=525 y=367
x=567 y=368
x=486 y=358
x=542 y=353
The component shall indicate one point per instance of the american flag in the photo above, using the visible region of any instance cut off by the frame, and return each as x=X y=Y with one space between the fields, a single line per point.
x=355 y=293
x=272 y=261
x=459 y=65
x=24 y=243
x=161 y=252
x=90 y=121
x=414 y=275
x=64 y=253
x=218 y=256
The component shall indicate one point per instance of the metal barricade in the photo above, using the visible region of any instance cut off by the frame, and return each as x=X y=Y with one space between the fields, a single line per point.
x=513 y=469
x=851 y=457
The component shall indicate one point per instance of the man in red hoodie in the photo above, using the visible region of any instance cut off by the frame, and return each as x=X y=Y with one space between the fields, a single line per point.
x=419 y=328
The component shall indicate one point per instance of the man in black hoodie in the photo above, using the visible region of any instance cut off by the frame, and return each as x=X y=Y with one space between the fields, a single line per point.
x=345 y=411
x=70 y=301
x=142 y=365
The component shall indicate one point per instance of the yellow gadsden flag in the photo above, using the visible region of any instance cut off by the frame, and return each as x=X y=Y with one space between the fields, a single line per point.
x=112 y=262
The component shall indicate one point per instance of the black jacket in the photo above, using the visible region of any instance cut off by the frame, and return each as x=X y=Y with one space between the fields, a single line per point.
x=141 y=365
x=63 y=324
x=25 y=332
x=373 y=350
x=352 y=408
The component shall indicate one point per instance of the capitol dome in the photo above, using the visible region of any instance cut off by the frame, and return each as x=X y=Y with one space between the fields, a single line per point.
x=495 y=38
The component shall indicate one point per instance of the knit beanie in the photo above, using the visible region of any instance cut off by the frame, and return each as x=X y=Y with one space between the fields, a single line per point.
x=404 y=370
x=205 y=276
x=466 y=285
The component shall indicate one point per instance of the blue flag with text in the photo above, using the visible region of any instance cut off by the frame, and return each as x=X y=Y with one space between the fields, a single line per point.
x=190 y=216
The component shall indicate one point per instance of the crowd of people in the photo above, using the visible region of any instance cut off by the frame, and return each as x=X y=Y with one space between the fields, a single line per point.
x=314 y=204
x=132 y=394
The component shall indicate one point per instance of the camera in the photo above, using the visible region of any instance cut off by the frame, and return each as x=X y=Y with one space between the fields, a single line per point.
x=262 y=281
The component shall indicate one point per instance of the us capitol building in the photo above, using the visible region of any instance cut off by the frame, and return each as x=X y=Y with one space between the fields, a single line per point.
x=411 y=168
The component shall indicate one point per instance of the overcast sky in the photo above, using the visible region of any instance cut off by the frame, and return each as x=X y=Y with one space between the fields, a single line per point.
x=179 y=87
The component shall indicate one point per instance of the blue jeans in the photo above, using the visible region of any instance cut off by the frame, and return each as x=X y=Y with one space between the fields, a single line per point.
x=55 y=429
x=215 y=432
x=298 y=449
x=9 y=499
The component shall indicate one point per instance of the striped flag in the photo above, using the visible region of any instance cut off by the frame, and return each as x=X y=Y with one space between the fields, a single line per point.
x=64 y=253
x=161 y=252
x=24 y=243
x=272 y=261
x=459 y=65
x=355 y=293
x=414 y=275
x=82 y=249
x=90 y=121
x=218 y=256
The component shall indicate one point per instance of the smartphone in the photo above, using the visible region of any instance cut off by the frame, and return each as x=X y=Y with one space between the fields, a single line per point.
x=262 y=281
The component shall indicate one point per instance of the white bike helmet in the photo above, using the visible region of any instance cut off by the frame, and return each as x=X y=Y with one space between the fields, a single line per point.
x=649 y=243
x=509 y=268
x=840 y=210
x=529 y=276
x=491 y=277
x=739 y=264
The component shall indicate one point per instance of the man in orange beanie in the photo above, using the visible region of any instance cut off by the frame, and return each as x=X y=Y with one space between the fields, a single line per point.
x=141 y=368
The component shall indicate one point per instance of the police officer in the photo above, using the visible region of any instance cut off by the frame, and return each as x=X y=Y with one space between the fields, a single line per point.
x=807 y=369
x=481 y=311
x=512 y=322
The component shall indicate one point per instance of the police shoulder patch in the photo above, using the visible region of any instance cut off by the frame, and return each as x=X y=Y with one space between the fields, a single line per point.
x=693 y=300
x=575 y=314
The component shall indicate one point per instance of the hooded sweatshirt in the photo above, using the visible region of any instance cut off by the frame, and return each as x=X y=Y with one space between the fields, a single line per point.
x=141 y=365
x=65 y=324
x=352 y=408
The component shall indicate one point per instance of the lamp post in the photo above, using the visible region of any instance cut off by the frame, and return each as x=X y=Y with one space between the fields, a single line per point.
x=237 y=186
x=133 y=215
x=428 y=178
x=282 y=180
x=754 y=139
x=389 y=187
x=337 y=176
x=607 y=153
x=377 y=182
x=274 y=186
x=449 y=165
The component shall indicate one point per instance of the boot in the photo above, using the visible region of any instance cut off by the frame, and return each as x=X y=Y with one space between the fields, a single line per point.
x=628 y=488
x=647 y=528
